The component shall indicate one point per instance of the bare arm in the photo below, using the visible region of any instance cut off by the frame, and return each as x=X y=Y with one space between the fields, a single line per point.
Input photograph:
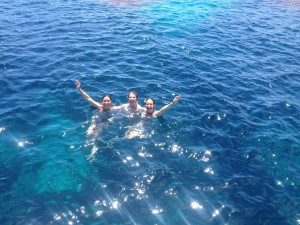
x=141 y=109
x=124 y=106
x=119 y=107
x=166 y=107
x=87 y=97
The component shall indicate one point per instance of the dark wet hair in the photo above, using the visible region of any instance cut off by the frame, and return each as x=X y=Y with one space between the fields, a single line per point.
x=150 y=99
x=106 y=95
x=133 y=92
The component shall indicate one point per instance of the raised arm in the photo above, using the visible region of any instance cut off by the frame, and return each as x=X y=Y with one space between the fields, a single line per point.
x=87 y=97
x=166 y=107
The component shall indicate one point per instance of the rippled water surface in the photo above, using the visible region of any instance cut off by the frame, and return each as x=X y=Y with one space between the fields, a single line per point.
x=227 y=153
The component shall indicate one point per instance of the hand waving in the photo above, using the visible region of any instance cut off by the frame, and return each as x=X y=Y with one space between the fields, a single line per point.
x=77 y=83
x=176 y=99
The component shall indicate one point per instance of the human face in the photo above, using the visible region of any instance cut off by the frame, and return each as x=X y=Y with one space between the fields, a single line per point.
x=132 y=99
x=106 y=102
x=150 y=106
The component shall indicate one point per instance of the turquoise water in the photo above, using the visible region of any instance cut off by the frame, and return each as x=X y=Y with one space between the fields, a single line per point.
x=228 y=153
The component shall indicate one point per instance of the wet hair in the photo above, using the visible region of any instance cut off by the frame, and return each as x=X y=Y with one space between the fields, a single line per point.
x=150 y=99
x=106 y=95
x=133 y=92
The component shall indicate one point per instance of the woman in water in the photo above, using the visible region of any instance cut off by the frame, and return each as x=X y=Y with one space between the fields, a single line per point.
x=150 y=107
x=104 y=108
x=132 y=106
x=101 y=120
x=137 y=129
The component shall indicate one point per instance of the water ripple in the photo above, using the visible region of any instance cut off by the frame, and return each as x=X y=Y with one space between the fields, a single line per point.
x=227 y=153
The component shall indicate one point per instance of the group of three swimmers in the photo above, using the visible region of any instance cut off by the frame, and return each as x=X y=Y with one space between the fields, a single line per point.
x=132 y=107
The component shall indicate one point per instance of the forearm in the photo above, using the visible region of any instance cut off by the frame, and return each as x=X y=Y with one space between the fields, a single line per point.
x=85 y=95
x=119 y=107
x=88 y=98
x=167 y=106
x=163 y=109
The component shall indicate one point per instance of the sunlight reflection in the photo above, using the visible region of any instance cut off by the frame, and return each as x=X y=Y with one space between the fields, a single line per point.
x=128 y=159
x=226 y=185
x=206 y=155
x=279 y=183
x=140 y=188
x=99 y=213
x=170 y=192
x=196 y=205
x=208 y=188
x=209 y=170
x=112 y=204
x=161 y=145
x=82 y=209
x=176 y=148
x=2 y=129
x=70 y=217
x=23 y=143
x=150 y=179
x=217 y=212
x=57 y=217
x=115 y=204
x=204 y=158
x=97 y=202
x=144 y=154
x=157 y=211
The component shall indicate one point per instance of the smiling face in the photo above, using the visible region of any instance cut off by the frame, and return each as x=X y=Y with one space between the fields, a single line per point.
x=106 y=102
x=149 y=106
x=132 y=98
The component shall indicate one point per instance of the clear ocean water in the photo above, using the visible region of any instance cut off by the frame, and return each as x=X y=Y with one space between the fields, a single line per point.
x=227 y=153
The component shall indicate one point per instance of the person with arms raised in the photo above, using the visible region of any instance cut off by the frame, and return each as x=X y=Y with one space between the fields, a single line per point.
x=138 y=129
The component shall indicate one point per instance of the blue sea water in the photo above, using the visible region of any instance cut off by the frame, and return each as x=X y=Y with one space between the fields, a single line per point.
x=227 y=153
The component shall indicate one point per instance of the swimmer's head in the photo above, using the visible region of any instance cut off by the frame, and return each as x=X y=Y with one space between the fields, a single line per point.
x=106 y=95
x=132 y=97
x=150 y=104
x=106 y=102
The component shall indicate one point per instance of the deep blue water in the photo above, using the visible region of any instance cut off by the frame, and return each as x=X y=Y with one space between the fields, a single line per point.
x=228 y=153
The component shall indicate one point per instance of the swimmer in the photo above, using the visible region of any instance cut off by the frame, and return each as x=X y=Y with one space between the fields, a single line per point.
x=101 y=119
x=132 y=106
x=137 y=129
x=106 y=105
x=150 y=107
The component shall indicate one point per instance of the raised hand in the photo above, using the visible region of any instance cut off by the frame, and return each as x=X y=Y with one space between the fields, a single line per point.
x=77 y=83
x=176 y=99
